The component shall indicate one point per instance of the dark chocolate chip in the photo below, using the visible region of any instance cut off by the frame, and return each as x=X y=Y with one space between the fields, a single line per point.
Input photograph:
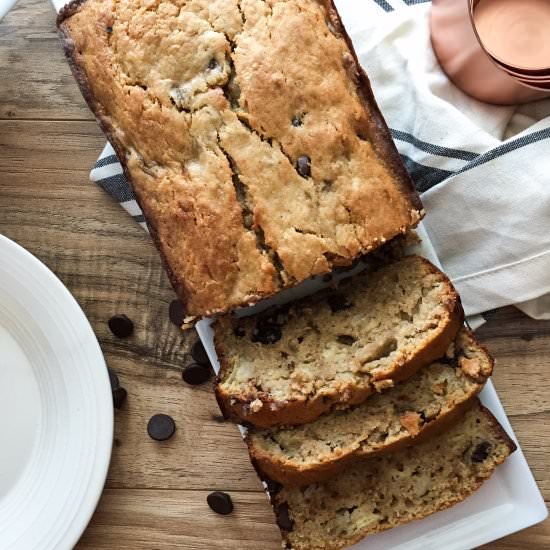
x=198 y=353
x=327 y=278
x=220 y=502
x=109 y=30
x=119 y=397
x=121 y=326
x=327 y=186
x=239 y=332
x=283 y=518
x=176 y=312
x=273 y=487
x=161 y=427
x=266 y=333
x=196 y=374
x=481 y=452
x=346 y=339
x=213 y=64
x=338 y=302
x=303 y=166
x=113 y=378
x=297 y=121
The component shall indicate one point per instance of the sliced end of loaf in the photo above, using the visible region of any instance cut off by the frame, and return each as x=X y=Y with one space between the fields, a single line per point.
x=390 y=490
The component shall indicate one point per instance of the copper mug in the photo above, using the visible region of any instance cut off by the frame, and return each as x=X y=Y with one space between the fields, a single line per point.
x=466 y=61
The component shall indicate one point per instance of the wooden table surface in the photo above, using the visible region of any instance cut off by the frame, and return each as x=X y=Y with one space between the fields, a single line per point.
x=155 y=497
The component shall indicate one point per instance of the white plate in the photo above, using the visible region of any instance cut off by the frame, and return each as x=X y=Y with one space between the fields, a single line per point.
x=508 y=502
x=56 y=412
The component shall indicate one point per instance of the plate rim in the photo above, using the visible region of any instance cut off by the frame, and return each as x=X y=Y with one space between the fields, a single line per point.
x=100 y=462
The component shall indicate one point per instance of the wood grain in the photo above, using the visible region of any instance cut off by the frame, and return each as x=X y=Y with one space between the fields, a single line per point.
x=155 y=495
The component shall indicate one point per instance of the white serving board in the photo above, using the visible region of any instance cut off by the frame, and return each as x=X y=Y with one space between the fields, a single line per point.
x=508 y=502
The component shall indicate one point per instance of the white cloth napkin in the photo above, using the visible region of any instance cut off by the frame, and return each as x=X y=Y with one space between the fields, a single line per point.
x=483 y=171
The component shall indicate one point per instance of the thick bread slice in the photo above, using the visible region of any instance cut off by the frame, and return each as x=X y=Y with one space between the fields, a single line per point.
x=435 y=397
x=390 y=490
x=336 y=348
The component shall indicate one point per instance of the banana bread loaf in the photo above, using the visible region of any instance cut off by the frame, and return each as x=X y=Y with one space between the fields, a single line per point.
x=249 y=134
x=408 y=413
x=336 y=348
x=389 y=490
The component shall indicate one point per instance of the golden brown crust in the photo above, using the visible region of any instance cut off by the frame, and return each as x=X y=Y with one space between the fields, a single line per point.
x=216 y=273
x=301 y=411
x=377 y=128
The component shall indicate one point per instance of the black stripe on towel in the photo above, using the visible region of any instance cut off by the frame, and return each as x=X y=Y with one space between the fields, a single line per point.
x=506 y=148
x=433 y=149
x=384 y=5
x=424 y=177
x=118 y=187
x=413 y=2
x=140 y=218
x=105 y=161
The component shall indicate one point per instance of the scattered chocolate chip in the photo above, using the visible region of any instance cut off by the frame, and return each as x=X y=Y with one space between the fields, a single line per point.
x=266 y=333
x=338 y=302
x=346 y=339
x=481 y=452
x=196 y=374
x=161 y=427
x=121 y=326
x=119 y=397
x=213 y=64
x=198 y=353
x=297 y=121
x=303 y=166
x=113 y=378
x=109 y=30
x=220 y=502
x=327 y=278
x=239 y=332
x=176 y=312
x=283 y=518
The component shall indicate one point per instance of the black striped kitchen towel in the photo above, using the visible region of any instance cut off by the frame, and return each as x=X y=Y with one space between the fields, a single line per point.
x=483 y=171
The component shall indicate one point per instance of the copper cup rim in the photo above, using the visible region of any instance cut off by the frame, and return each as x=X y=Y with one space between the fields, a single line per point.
x=537 y=86
x=535 y=71
x=518 y=74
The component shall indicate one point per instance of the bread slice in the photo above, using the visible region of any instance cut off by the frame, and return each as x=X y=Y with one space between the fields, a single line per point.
x=390 y=490
x=336 y=348
x=406 y=414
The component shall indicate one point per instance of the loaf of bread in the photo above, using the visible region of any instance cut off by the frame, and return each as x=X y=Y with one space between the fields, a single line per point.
x=413 y=410
x=336 y=348
x=249 y=134
x=389 y=490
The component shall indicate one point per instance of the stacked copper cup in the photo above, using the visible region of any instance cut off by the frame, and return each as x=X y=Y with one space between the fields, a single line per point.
x=497 y=51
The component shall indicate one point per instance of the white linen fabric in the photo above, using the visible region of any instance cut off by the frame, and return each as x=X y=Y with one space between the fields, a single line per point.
x=483 y=171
